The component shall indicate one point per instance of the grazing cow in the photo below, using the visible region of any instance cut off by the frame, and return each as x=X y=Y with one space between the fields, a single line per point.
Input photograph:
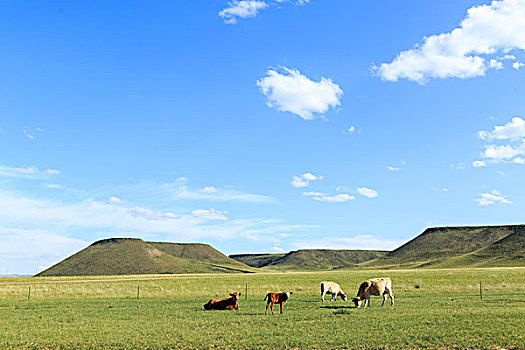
x=376 y=286
x=276 y=298
x=331 y=288
x=231 y=303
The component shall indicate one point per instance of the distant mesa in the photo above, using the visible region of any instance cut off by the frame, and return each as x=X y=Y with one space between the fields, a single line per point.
x=310 y=259
x=132 y=256
x=467 y=246
x=437 y=247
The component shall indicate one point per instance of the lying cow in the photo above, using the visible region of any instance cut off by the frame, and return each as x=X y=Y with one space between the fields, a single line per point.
x=376 y=286
x=276 y=298
x=231 y=303
x=331 y=288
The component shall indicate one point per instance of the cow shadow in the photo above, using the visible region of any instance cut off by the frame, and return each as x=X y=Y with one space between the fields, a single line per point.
x=337 y=307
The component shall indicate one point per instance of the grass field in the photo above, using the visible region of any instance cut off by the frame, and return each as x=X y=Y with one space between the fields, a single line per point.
x=434 y=309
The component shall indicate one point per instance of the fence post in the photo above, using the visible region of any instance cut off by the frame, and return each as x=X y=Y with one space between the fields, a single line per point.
x=246 y=292
x=29 y=293
x=138 y=290
x=480 y=292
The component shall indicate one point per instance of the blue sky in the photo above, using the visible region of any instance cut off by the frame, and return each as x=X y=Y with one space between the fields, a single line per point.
x=256 y=126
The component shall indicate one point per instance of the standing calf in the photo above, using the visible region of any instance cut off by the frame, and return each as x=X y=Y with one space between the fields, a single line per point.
x=331 y=288
x=376 y=286
x=231 y=303
x=276 y=298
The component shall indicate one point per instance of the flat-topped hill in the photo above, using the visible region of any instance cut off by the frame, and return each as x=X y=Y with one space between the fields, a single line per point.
x=435 y=245
x=130 y=256
x=310 y=259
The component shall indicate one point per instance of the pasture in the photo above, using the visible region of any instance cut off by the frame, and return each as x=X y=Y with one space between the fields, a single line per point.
x=434 y=309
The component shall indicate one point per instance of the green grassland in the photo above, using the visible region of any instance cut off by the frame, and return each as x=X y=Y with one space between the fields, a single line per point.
x=434 y=309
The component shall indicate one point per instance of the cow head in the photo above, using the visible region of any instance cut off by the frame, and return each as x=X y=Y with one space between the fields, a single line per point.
x=235 y=295
x=343 y=295
x=357 y=302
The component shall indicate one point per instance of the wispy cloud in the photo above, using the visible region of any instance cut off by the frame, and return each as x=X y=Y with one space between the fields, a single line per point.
x=32 y=133
x=26 y=172
x=467 y=51
x=304 y=180
x=251 y=8
x=492 y=198
x=181 y=189
x=241 y=9
x=288 y=90
x=367 y=192
x=506 y=143
x=209 y=214
x=322 y=197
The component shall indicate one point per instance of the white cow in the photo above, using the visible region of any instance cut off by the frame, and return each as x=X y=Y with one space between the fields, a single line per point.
x=331 y=288
x=376 y=286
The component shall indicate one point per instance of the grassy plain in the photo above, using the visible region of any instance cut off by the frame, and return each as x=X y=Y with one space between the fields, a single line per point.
x=434 y=309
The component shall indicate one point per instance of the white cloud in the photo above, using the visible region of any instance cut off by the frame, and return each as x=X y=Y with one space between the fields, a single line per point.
x=479 y=163
x=517 y=65
x=338 y=198
x=367 y=192
x=391 y=168
x=209 y=189
x=181 y=190
x=350 y=130
x=298 y=182
x=277 y=249
x=513 y=130
x=316 y=194
x=114 y=200
x=290 y=91
x=511 y=138
x=32 y=134
x=519 y=160
x=52 y=171
x=461 y=53
x=357 y=242
x=304 y=180
x=209 y=214
x=241 y=9
x=492 y=198
x=26 y=172
x=495 y=64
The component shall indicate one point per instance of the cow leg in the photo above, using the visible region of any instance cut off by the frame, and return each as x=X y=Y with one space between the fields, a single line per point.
x=391 y=297
x=332 y=298
x=266 y=312
x=281 y=307
x=384 y=299
x=322 y=296
x=271 y=307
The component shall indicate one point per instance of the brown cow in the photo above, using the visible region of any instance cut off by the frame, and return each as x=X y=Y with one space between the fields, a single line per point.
x=276 y=298
x=231 y=303
x=376 y=286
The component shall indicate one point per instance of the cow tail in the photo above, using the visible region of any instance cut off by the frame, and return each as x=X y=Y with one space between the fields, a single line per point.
x=265 y=297
x=322 y=287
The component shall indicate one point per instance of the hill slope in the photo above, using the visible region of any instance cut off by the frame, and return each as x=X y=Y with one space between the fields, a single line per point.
x=509 y=251
x=437 y=244
x=197 y=251
x=310 y=259
x=257 y=260
x=128 y=256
